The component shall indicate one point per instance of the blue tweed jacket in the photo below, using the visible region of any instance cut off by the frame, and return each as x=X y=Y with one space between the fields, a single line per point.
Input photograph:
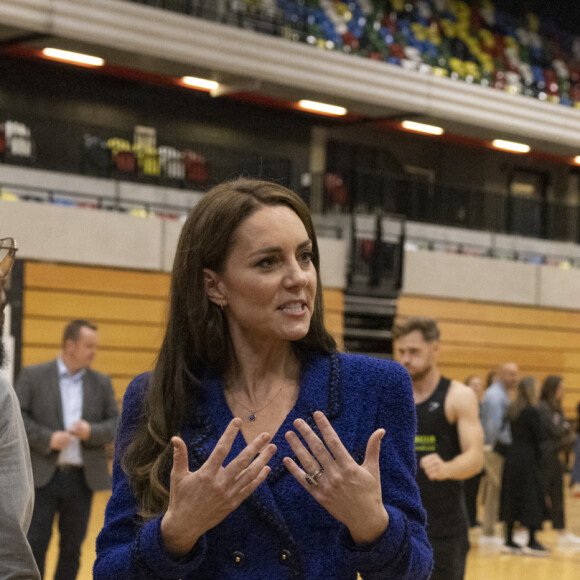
x=280 y=531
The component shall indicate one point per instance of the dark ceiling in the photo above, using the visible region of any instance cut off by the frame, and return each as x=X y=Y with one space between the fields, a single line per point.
x=564 y=13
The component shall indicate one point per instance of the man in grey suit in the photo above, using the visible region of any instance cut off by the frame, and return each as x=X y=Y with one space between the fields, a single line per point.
x=16 y=485
x=69 y=413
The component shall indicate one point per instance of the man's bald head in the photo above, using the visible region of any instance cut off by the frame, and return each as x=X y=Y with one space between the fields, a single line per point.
x=507 y=375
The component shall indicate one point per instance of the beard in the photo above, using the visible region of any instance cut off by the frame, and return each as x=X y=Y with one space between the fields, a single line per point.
x=421 y=373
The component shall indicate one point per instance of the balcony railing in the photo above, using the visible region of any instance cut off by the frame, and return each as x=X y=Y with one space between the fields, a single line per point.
x=420 y=200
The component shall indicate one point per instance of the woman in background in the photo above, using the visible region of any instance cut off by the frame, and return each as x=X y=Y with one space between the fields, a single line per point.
x=575 y=473
x=559 y=438
x=254 y=449
x=522 y=494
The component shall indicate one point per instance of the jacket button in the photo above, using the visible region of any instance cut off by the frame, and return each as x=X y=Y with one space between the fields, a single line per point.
x=285 y=557
x=239 y=559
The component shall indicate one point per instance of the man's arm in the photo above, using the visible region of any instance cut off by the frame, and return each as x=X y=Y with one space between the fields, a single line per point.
x=460 y=408
x=103 y=430
x=492 y=416
x=39 y=435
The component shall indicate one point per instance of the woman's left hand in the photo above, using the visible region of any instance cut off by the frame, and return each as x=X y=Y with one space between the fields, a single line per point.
x=349 y=492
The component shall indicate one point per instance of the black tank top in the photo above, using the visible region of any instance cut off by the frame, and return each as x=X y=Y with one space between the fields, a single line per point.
x=443 y=500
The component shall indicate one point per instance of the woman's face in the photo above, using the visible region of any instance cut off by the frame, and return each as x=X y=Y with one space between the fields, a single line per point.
x=477 y=385
x=559 y=394
x=269 y=281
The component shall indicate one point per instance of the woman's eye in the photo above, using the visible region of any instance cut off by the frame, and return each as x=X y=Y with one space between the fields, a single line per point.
x=267 y=262
x=306 y=257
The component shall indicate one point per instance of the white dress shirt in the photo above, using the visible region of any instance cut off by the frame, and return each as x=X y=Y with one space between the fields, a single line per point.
x=71 y=394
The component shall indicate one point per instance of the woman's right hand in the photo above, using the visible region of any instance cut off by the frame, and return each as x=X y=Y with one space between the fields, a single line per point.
x=200 y=500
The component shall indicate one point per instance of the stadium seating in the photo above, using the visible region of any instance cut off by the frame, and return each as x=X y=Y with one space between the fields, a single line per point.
x=475 y=42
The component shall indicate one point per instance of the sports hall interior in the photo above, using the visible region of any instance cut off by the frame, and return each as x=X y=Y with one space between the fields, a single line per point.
x=100 y=162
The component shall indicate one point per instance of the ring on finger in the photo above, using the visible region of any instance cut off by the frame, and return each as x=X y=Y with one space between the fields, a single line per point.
x=312 y=478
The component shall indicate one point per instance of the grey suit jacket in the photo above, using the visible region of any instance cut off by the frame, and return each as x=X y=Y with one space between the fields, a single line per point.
x=17 y=489
x=38 y=389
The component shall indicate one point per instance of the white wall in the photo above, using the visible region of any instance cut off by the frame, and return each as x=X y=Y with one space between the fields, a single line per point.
x=83 y=236
x=476 y=278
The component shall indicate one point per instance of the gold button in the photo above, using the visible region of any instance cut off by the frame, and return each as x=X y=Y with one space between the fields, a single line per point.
x=238 y=559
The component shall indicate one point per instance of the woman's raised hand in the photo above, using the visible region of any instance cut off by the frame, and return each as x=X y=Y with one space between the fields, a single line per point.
x=200 y=500
x=349 y=492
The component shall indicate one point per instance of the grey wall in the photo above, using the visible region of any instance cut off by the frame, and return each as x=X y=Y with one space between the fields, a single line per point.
x=476 y=278
x=73 y=235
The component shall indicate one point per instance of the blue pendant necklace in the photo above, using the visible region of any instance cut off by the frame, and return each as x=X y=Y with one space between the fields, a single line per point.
x=253 y=413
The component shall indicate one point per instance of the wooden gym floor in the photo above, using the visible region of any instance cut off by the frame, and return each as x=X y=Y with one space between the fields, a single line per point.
x=483 y=563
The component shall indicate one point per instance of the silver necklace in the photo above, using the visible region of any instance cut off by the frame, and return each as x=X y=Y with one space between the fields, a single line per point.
x=252 y=416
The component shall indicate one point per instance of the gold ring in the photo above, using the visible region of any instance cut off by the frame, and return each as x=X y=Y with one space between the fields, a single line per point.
x=312 y=478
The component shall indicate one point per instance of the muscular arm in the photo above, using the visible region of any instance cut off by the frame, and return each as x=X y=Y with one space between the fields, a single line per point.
x=460 y=408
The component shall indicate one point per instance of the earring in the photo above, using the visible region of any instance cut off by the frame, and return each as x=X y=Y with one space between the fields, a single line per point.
x=222 y=306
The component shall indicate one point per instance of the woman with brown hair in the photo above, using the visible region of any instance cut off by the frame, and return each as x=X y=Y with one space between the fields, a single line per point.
x=255 y=449
x=559 y=438
x=522 y=495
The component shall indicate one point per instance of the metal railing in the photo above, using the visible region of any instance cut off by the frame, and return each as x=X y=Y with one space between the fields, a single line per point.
x=421 y=200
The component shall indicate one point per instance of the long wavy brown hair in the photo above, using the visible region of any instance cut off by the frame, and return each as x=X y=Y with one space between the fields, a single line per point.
x=526 y=397
x=197 y=336
x=549 y=389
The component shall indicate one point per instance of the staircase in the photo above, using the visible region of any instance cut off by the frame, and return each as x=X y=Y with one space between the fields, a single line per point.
x=367 y=325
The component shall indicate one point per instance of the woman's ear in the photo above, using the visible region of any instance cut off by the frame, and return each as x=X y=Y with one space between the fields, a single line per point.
x=212 y=284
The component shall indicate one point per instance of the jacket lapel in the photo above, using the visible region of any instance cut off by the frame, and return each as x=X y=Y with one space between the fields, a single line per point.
x=319 y=391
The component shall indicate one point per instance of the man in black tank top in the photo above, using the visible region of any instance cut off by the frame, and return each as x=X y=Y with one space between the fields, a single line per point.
x=448 y=444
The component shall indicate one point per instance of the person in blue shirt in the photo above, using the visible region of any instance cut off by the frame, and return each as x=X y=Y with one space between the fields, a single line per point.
x=70 y=414
x=497 y=439
x=254 y=449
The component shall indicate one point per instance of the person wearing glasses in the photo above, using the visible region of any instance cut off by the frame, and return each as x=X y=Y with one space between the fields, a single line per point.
x=16 y=483
x=70 y=414
x=255 y=449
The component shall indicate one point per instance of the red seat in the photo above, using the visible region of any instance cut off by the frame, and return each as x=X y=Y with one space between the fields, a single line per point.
x=195 y=167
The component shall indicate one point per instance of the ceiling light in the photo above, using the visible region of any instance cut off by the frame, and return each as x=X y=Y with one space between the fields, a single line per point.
x=577 y=159
x=322 y=108
x=510 y=146
x=422 y=128
x=197 y=83
x=73 y=57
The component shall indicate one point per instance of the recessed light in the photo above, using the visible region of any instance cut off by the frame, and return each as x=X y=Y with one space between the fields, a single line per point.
x=202 y=84
x=510 y=146
x=73 y=57
x=322 y=108
x=422 y=128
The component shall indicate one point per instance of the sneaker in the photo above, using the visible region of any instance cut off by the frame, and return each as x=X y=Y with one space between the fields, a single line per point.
x=521 y=537
x=568 y=539
x=511 y=548
x=536 y=549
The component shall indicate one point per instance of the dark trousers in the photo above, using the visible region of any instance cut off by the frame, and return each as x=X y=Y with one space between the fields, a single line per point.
x=471 y=488
x=450 y=554
x=555 y=490
x=68 y=495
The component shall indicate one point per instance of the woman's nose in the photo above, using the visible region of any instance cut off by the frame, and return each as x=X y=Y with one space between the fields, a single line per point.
x=295 y=275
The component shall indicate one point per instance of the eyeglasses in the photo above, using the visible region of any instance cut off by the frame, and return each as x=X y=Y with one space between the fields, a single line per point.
x=8 y=251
